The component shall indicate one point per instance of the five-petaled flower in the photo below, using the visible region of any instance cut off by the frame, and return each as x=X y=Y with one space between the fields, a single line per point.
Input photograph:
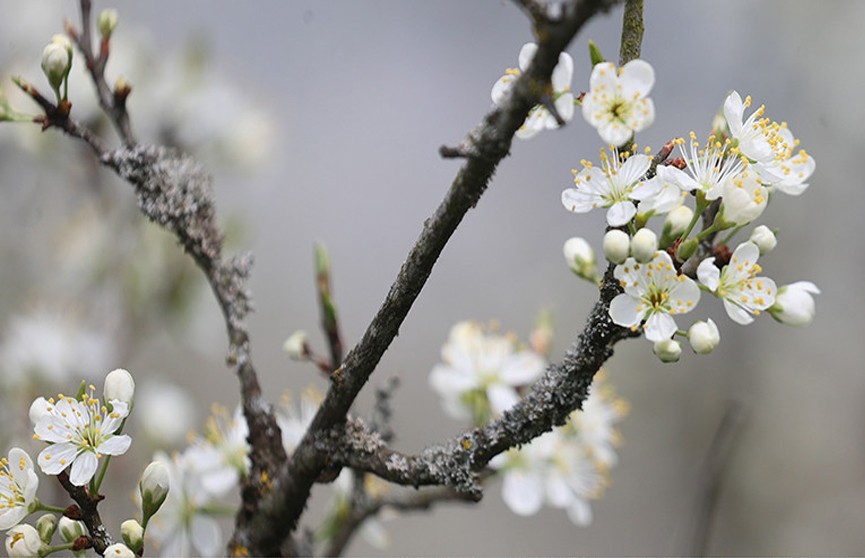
x=654 y=292
x=539 y=117
x=744 y=293
x=79 y=433
x=615 y=185
x=617 y=103
x=18 y=483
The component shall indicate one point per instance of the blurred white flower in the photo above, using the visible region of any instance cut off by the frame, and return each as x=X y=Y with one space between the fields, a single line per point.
x=292 y=421
x=595 y=424
x=220 y=456
x=539 y=117
x=481 y=371
x=165 y=412
x=617 y=103
x=47 y=347
x=183 y=524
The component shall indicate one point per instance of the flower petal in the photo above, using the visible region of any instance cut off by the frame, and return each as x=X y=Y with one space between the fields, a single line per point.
x=620 y=213
x=709 y=274
x=83 y=468
x=115 y=445
x=637 y=79
x=523 y=492
x=660 y=327
x=623 y=311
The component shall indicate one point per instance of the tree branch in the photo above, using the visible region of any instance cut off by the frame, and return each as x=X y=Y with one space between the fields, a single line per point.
x=280 y=509
x=632 y=32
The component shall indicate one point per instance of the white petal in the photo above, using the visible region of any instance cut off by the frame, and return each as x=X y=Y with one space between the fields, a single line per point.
x=580 y=513
x=614 y=133
x=115 y=445
x=660 y=327
x=523 y=492
x=12 y=516
x=637 y=79
x=709 y=274
x=447 y=380
x=623 y=311
x=634 y=168
x=522 y=368
x=559 y=494
x=527 y=53
x=206 y=536
x=577 y=201
x=565 y=106
x=737 y=313
x=83 y=468
x=502 y=398
x=61 y=455
x=734 y=109
x=563 y=73
x=501 y=88
x=620 y=213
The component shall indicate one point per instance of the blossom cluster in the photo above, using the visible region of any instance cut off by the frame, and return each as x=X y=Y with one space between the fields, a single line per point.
x=482 y=375
x=725 y=182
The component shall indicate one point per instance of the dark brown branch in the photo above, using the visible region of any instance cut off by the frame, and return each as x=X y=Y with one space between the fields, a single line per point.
x=279 y=510
x=88 y=513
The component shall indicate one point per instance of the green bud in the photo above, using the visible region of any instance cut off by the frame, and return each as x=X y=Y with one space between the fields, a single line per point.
x=107 y=22
x=595 y=54
x=687 y=249
x=133 y=535
x=153 y=487
x=46 y=525
x=70 y=529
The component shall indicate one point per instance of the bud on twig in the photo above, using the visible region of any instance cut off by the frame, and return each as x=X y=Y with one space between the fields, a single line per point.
x=107 y=22
x=153 y=487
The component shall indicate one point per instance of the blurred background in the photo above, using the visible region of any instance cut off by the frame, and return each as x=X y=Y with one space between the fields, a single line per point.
x=321 y=121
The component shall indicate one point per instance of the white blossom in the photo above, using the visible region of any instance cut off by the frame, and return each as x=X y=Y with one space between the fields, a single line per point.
x=294 y=421
x=79 y=434
x=18 y=484
x=654 y=292
x=539 y=117
x=744 y=199
x=617 y=103
x=220 y=456
x=481 y=371
x=744 y=293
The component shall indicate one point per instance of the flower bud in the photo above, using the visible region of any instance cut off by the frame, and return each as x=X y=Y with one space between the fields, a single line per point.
x=153 y=487
x=296 y=346
x=107 y=22
x=38 y=409
x=668 y=350
x=764 y=238
x=70 y=529
x=23 y=541
x=118 y=550
x=644 y=245
x=617 y=246
x=677 y=221
x=687 y=249
x=119 y=385
x=55 y=63
x=45 y=526
x=580 y=258
x=133 y=534
x=794 y=304
x=704 y=337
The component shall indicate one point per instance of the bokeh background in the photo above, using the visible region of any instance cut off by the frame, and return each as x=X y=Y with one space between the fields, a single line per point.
x=321 y=121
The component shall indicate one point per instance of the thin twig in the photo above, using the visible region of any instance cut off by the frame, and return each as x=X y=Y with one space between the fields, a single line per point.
x=632 y=32
x=712 y=474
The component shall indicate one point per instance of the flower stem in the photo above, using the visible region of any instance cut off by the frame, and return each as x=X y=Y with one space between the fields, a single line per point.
x=45 y=507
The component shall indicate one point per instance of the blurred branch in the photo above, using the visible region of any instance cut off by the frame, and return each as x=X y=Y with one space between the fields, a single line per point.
x=113 y=102
x=632 y=31
x=329 y=316
x=712 y=473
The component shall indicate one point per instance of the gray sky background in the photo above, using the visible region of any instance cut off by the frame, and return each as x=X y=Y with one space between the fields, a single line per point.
x=362 y=94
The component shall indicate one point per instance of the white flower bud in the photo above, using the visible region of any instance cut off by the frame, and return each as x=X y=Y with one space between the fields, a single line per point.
x=23 y=541
x=644 y=245
x=743 y=199
x=38 y=409
x=153 y=487
x=118 y=550
x=133 y=534
x=70 y=529
x=119 y=385
x=794 y=304
x=580 y=258
x=296 y=346
x=55 y=64
x=63 y=41
x=107 y=22
x=704 y=337
x=668 y=350
x=45 y=526
x=617 y=246
x=764 y=238
x=677 y=220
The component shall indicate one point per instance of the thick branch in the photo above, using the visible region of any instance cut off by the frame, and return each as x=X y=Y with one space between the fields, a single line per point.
x=99 y=536
x=487 y=146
